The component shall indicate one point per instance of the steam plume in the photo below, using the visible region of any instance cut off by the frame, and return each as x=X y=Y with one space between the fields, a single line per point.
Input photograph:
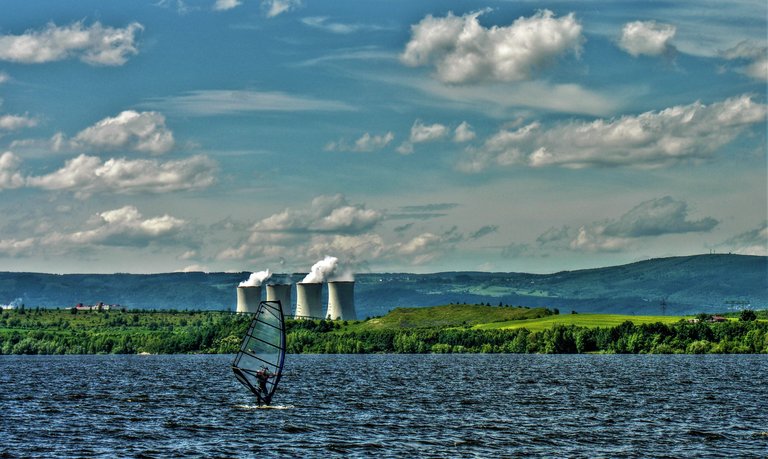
x=328 y=269
x=256 y=279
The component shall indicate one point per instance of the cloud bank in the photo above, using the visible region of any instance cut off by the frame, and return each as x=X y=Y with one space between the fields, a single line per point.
x=652 y=218
x=649 y=140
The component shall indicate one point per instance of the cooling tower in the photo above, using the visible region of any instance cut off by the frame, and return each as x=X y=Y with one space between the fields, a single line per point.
x=341 y=300
x=309 y=301
x=248 y=299
x=282 y=293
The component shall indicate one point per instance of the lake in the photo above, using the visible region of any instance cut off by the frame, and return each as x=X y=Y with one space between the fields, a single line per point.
x=483 y=406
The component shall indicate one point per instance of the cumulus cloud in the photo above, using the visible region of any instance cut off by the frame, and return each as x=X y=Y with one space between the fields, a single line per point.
x=274 y=8
x=427 y=246
x=10 y=177
x=753 y=55
x=366 y=143
x=646 y=38
x=123 y=227
x=224 y=5
x=14 y=122
x=85 y=175
x=649 y=140
x=130 y=130
x=421 y=133
x=463 y=133
x=120 y=227
x=331 y=225
x=326 y=214
x=652 y=218
x=656 y=217
x=94 y=45
x=463 y=51
x=753 y=242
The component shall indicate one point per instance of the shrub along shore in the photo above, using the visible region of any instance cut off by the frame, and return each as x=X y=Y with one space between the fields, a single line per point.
x=441 y=329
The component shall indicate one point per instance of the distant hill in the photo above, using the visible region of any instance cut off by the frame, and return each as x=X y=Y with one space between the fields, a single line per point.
x=688 y=285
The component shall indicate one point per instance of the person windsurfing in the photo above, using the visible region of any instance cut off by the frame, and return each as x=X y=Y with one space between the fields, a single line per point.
x=263 y=376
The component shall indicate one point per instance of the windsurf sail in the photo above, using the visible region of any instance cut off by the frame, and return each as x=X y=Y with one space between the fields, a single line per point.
x=259 y=363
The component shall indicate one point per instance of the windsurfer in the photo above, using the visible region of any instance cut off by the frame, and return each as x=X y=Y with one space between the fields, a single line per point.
x=263 y=376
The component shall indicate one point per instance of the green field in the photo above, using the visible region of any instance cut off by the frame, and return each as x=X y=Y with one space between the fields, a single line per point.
x=452 y=315
x=579 y=320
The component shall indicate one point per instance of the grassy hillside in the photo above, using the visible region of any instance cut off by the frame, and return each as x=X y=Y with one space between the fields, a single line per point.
x=579 y=320
x=452 y=315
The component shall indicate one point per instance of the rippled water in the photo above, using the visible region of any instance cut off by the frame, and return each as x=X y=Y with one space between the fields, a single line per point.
x=387 y=406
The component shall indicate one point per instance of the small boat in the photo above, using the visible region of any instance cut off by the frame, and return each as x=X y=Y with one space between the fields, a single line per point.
x=259 y=363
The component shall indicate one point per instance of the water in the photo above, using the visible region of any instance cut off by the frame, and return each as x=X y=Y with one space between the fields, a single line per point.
x=484 y=406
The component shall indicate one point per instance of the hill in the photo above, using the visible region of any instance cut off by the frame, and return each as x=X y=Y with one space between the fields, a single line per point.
x=688 y=285
x=453 y=315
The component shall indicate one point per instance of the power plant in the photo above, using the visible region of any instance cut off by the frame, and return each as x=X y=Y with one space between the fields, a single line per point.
x=248 y=298
x=309 y=299
x=282 y=293
x=341 y=300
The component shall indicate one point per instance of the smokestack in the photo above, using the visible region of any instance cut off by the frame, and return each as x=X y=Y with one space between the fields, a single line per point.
x=282 y=293
x=341 y=300
x=248 y=299
x=309 y=302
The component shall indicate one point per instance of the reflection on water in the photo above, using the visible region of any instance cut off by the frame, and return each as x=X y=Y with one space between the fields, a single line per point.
x=387 y=406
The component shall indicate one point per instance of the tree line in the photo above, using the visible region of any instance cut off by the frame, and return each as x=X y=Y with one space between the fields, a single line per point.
x=173 y=332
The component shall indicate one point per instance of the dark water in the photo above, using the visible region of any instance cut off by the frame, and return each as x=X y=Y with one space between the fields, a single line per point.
x=406 y=406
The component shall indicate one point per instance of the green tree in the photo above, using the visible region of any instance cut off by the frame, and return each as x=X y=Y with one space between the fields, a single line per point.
x=747 y=315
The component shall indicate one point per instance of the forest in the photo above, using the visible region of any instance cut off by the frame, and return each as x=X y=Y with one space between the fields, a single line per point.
x=45 y=331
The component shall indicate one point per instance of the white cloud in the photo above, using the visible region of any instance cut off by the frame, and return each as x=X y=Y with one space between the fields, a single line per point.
x=323 y=23
x=13 y=122
x=129 y=130
x=463 y=133
x=326 y=214
x=462 y=51
x=421 y=132
x=86 y=175
x=754 y=55
x=120 y=227
x=652 y=218
x=223 y=102
x=4 y=77
x=274 y=8
x=94 y=45
x=646 y=38
x=649 y=140
x=17 y=247
x=366 y=143
x=224 y=5
x=753 y=242
x=332 y=226
x=10 y=177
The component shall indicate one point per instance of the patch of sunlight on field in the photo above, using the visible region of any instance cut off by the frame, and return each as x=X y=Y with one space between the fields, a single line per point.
x=580 y=320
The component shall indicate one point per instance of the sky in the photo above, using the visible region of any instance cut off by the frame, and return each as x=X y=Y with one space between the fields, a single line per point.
x=397 y=136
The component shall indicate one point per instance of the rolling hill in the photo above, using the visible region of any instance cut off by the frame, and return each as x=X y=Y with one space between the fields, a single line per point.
x=687 y=285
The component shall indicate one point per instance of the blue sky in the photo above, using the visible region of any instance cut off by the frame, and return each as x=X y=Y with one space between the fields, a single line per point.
x=396 y=136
